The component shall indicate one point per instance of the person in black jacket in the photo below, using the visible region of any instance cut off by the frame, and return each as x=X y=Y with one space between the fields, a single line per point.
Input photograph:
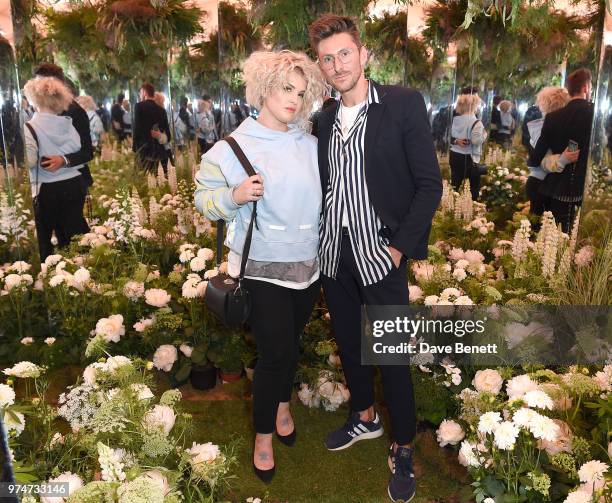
x=104 y=115
x=150 y=131
x=532 y=113
x=117 y=123
x=80 y=121
x=495 y=119
x=571 y=123
x=381 y=186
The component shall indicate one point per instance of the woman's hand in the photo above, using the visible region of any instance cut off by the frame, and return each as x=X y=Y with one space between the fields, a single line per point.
x=251 y=189
x=570 y=156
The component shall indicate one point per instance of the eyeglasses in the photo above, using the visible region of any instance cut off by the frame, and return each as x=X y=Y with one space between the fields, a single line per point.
x=344 y=56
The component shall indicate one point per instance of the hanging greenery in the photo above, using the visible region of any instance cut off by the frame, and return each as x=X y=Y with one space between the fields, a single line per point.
x=284 y=23
x=521 y=56
x=396 y=58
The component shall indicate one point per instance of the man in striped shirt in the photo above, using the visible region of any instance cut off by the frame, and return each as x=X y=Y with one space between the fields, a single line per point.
x=381 y=186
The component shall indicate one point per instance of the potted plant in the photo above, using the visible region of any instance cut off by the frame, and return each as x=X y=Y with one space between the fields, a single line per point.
x=227 y=352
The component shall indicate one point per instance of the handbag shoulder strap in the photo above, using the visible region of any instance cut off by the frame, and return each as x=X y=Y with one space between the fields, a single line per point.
x=35 y=136
x=247 y=243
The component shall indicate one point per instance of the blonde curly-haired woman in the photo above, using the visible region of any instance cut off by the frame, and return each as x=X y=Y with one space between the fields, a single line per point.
x=282 y=272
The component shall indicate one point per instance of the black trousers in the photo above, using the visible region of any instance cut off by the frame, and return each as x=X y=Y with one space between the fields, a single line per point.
x=59 y=209
x=537 y=201
x=278 y=317
x=344 y=296
x=461 y=168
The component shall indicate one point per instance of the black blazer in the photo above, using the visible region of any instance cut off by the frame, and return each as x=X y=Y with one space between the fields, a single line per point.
x=146 y=114
x=572 y=122
x=401 y=167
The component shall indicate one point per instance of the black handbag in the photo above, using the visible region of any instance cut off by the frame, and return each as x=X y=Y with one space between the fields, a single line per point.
x=226 y=297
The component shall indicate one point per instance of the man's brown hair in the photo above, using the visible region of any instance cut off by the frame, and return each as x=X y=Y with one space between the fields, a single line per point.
x=148 y=89
x=577 y=79
x=332 y=24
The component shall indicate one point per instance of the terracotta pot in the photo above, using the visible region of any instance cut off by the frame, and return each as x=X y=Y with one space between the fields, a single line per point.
x=230 y=375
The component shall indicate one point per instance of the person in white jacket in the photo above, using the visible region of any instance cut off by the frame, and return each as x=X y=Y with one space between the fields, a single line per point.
x=468 y=135
x=282 y=271
x=58 y=194
x=96 y=128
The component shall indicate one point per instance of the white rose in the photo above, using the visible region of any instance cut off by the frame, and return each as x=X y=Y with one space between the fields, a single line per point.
x=157 y=297
x=449 y=433
x=211 y=273
x=160 y=417
x=26 y=341
x=90 y=372
x=488 y=380
x=82 y=276
x=186 y=350
x=111 y=329
x=7 y=395
x=414 y=293
x=203 y=453
x=49 y=341
x=164 y=357
x=74 y=482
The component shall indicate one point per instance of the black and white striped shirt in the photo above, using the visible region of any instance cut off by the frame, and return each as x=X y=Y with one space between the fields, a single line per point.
x=347 y=189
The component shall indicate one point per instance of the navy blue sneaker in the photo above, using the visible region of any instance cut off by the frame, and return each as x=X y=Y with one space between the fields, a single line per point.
x=353 y=431
x=402 y=485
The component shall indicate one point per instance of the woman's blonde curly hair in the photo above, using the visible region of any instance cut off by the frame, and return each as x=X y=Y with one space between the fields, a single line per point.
x=552 y=98
x=48 y=92
x=264 y=71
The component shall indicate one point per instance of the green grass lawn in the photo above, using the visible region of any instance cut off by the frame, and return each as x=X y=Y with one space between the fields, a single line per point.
x=307 y=472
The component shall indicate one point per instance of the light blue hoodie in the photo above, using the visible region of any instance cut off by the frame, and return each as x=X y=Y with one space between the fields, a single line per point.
x=56 y=136
x=288 y=213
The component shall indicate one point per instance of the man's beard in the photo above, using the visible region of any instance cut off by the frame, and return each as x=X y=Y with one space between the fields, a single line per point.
x=347 y=84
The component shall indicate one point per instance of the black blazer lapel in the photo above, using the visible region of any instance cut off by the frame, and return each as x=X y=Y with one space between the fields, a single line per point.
x=376 y=112
x=325 y=129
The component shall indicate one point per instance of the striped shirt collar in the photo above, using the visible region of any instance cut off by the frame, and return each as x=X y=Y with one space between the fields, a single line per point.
x=372 y=97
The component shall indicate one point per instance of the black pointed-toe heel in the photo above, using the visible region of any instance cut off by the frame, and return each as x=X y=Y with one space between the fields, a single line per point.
x=288 y=440
x=265 y=476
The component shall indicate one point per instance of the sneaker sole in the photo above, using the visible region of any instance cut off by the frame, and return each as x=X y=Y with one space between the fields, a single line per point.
x=399 y=500
x=365 y=436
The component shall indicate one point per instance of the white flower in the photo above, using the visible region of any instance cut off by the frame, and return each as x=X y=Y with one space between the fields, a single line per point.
x=11 y=281
x=467 y=457
x=524 y=417
x=488 y=380
x=505 y=435
x=26 y=341
x=592 y=473
x=431 y=300
x=488 y=422
x=49 y=341
x=189 y=290
x=164 y=357
x=197 y=264
x=463 y=300
x=579 y=496
x=57 y=439
x=7 y=395
x=52 y=260
x=111 y=463
x=488 y=500
x=57 y=280
x=206 y=253
x=143 y=392
x=157 y=297
x=462 y=264
x=142 y=324
x=115 y=362
x=447 y=293
x=603 y=378
x=111 y=329
x=201 y=288
x=160 y=417
x=544 y=428
x=20 y=266
x=539 y=399
x=23 y=370
x=82 y=276
x=211 y=273
x=308 y=396
x=449 y=433
x=473 y=256
x=459 y=274
x=203 y=453
x=519 y=385
x=133 y=290
x=186 y=350
x=90 y=372
x=158 y=478
x=562 y=442
x=14 y=422
x=414 y=293
x=74 y=482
